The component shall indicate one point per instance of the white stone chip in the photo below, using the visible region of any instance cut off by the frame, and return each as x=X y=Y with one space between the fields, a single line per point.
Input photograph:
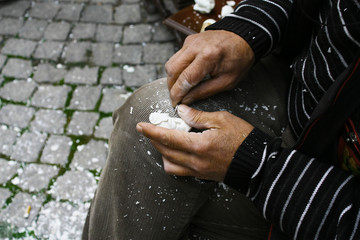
x=164 y=120
x=204 y=6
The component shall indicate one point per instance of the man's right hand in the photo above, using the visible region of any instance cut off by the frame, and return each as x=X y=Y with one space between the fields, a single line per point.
x=223 y=55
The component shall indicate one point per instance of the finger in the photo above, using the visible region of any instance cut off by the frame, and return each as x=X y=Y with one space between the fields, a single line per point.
x=189 y=77
x=174 y=139
x=207 y=88
x=172 y=168
x=198 y=119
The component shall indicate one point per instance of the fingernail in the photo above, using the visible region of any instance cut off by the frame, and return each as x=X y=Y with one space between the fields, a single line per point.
x=182 y=109
x=139 y=128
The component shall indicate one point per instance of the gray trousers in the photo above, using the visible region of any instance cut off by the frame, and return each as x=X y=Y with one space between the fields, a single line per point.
x=137 y=200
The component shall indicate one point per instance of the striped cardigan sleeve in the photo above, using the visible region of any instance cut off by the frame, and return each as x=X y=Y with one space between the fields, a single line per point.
x=302 y=196
x=260 y=23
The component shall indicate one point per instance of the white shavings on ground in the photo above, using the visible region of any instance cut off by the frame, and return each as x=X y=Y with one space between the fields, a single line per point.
x=164 y=120
x=129 y=69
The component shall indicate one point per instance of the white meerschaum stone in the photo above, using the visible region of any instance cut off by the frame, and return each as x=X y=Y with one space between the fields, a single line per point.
x=165 y=121
x=204 y=6
x=207 y=23
x=226 y=10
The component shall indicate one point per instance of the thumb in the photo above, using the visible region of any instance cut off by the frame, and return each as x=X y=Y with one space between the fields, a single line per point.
x=195 y=118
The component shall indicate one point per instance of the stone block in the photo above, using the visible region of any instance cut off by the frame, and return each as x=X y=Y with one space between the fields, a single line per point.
x=75 y=186
x=76 y=52
x=18 y=91
x=49 y=50
x=2 y=60
x=127 y=13
x=19 y=47
x=112 y=75
x=49 y=121
x=71 y=216
x=70 y=12
x=102 y=54
x=56 y=150
x=158 y=52
x=140 y=76
x=28 y=147
x=161 y=33
x=83 y=31
x=16 y=115
x=57 y=31
x=51 y=96
x=112 y=99
x=33 y=29
x=17 y=68
x=47 y=73
x=82 y=123
x=104 y=129
x=128 y=54
x=84 y=75
x=45 y=10
x=90 y=156
x=10 y=26
x=7 y=140
x=108 y=33
x=104 y=1
x=36 y=177
x=97 y=14
x=15 y=212
x=137 y=33
x=7 y=170
x=4 y=194
x=85 y=97
x=15 y=8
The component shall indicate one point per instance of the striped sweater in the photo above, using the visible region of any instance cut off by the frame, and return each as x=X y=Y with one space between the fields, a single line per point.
x=304 y=197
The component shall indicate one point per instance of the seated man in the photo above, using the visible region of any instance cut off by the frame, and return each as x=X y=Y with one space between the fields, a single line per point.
x=272 y=133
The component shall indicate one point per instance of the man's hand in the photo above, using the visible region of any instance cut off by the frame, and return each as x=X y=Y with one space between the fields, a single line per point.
x=225 y=56
x=206 y=155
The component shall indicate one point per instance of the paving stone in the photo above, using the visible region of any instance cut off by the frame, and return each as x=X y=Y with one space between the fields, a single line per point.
x=71 y=216
x=85 y=97
x=137 y=33
x=161 y=33
x=15 y=8
x=84 y=75
x=158 y=52
x=14 y=213
x=4 y=194
x=18 y=91
x=97 y=14
x=33 y=29
x=10 y=26
x=90 y=156
x=112 y=75
x=76 y=52
x=17 y=68
x=16 y=116
x=82 y=123
x=50 y=96
x=2 y=60
x=127 y=13
x=49 y=50
x=19 y=47
x=57 y=31
x=70 y=12
x=8 y=137
x=48 y=73
x=50 y=121
x=35 y=177
x=104 y=129
x=56 y=150
x=112 y=99
x=140 y=76
x=83 y=31
x=28 y=147
x=46 y=10
x=7 y=170
x=75 y=186
x=104 y=1
x=130 y=54
x=131 y=1
x=108 y=33
x=102 y=54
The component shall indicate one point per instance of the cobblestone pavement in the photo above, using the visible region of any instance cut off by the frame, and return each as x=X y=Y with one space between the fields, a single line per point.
x=65 y=66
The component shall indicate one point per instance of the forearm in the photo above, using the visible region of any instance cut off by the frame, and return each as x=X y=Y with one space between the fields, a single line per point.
x=304 y=197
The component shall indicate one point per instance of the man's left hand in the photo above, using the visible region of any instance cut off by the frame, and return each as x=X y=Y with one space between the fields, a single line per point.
x=206 y=155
